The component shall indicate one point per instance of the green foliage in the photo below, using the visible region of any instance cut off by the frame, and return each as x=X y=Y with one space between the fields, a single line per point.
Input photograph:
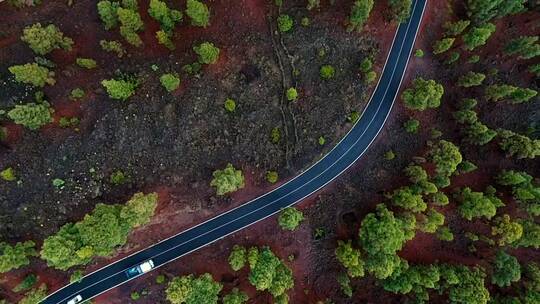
x=76 y=276
x=275 y=135
x=445 y=234
x=466 y=167
x=305 y=22
x=408 y=199
x=518 y=145
x=160 y=279
x=268 y=272
x=285 y=23
x=68 y=122
x=28 y=282
x=14 y=257
x=191 y=290
x=535 y=69
x=412 y=126
x=99 y=233
x=477 y=204
x=170 y=81
x=455 y=28
x=431 y=221
x=389 y=155
x=359 y=14
x=198 y=12
x=531 y=235
x=423 y=94
x=478 y=36
x=443 y=45
x=235 y=297
x=439 y=199
x=120 y=89
x=208 y=53
x=23 y=3
x=370 y=77
x=32 y=73
x=166 y=17
x=86 y=63
x=164 y=38
x=381 y=232
x=107 y=13
x=327 y=72
x=130 y=24
x=464 y=285
x=452 y=57
x=526 y=47
x=118 y=178
x=446 y=157
x=113 y=46
x=35 y=296
x=482 y=11
x=321 y=141
x=474 y=59
x=412 y=279
x=272 y=177
x=350 y=258
x=237 y=258
x=8 y=174
x=135 y=296
x=419 y=53
x=227 y=180
x=32 y=115
x=507 y=230
x=465 y=116
x=523 y=189
x=289 y=218
x=313 y=4
x=471 y=79
x=514 y=94
x=401 y=9
x=345 y=284
x=230 y=105
x=292 y=94
x=43 y=40
x=353 y=117
x=505 y=270
x=479 y=134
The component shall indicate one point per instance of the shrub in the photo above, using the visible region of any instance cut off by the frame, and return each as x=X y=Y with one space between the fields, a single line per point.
x=424 y=94
x=107 y=13
x=165 y=39
x=484 y=10
x=113 y=46
x=76 y=276
x=8 y=174
x=535 y=69
x=275 y=135
x=446 y=157
x=86 y=63
x=191 y=290
x=14 y=257
x=419 y=53
x=305 y=22
x=166 y=17
x=353 y=117
x=32 y=115
x=471 y=79
x=131 y=23
x=474 y=59
x=445 y=234
x=411 y=126
x=453 y=57
x=478 y=36
x=272 y=177
x=118 y=178
x=477 y=204
x=366 y=65
x=401 y=9
x=32 y=73
x=370 y=76
x=443 y=45
x=198 y=12
x=456 y=28
x=170 y=81
x=389 y=155
x=359 y=14
x=327 y=72
x=208 y=53
x=76 y=94
x=227 y=180
x=285 y=23
x=290 y=218
x=68 y=122
x=43 y=40
x=28 y=282
x=237 y=258
x=321 y=140
x=160 y=279
x=350 y=258
x=120 y=89
x=230 y=105
x=292 y=94
x=514 y=95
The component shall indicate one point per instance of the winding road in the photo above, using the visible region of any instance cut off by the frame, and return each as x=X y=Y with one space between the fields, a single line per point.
x=339 y=159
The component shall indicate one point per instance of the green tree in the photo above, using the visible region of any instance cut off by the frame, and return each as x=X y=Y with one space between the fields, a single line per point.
x=198 y=13
x=86 y=63
x=350 y=258
x=443 y=45
x=191 y=290
x=431 y=221
x=408 y=199
x=466 y=167
x=484 y=10
x=439 y=199
x=464 y=285
x=113 y=46
x=285 y=23
x=479 y=134
x=518 y=145
x=28 y=282
x=506 y=270
x=235 y=297
x=227 y=180
x=164 y=38
x=445 y=234
x=14 y=257
x=507 y=230
x=43 y=40
x=465 y=116
x=207 y=52
x=455 y=28
x=513 y=94
x=289 y=218
x=166 y=17
x=237 y=258
x=381 y=232
x=107 y=12
x=33 y=74
x=531 y=235
x=120 y=89
x=359 y=14
x=412 y=126
x=478 y=36
x=170 y=81
x=401 y=9
x=526 y=47
x=535 y=69
x=268 y=272
x=471 y=79
x=476 y=204
x=130 y=24
x=35 y=296
x=446 y=157
x=423 y=94
x=32 y=115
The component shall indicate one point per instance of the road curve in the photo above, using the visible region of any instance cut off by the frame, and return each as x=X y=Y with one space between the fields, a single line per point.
x=341 y=157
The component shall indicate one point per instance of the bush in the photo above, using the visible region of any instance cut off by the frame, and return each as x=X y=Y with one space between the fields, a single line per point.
x=478 y=36
x=208 y=53
x=456 y=28
x=443 y=45
x=479 y=134
x=113 y=46
x=424 y=94
x=8 y=174
x=484 y=10
x=76 y=94
x=275 y=135
x=359 y=14
x=292 y=94
x=289 y=218
x=198 y=12
x=32 y=73
x=118 y=178
x=446 y=157
x=131 y=23
x=285 y=23
x=227 y=180
x=14 y=257
x=445 y=234
x=477 y=204
x=514 y=94
x=366 y=65
x=411 y=126
x=474 y=59
x=419 y=53
x=389 y=155
x=170 y=81
x=120 y=89
x=86 y=63
x=272 y=177
x=230 y=105
x=327 y=72
x=350 y=258
x=191 y=290
x=165 y=39
x=535 y=69
x=471 y=79
x=43 y=40
x=452 y=57
x=237 y=258
x=32 y=115
x=107 y=13
x=166 y=17
x=28 y=282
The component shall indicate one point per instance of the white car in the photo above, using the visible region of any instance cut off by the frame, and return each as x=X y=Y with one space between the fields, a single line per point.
x=140 y=269
x=75 y=300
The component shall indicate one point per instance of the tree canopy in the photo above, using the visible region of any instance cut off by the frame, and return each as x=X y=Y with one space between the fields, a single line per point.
x=227 y=180
x=289 y=218
x=198 y=12
x=484 y=10
x=43 y=40
x=14 y=257
x=478 y=36
x=477 y=204
x=33 y=74
x=268 y=272
x=237 y=258
x=506 y=269
x=423 y=94
x=191 y=290
x=359 y=14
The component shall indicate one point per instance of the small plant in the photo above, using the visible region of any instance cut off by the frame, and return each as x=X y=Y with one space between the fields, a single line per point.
x=208 y=53
x=275 y=135
x=305 y=22
x=419 y=53
x=193 y=68
x=443 y=45
x=366 y=65
x=135 y=296
x=272 y=177
x=290 y=218
x=118 y=178
x=353 y=117
x=327 y=72
x=33 y=74
x=370 y=77
x=160 y=279
x=285 y=23
x=68 y=122
x=58 y=183
x=198 y=13
x=474 y=59
x=43 y=40
x=76 y=94
x=170 y=81
x=8 y=174
x=359 y=14
x=412 y=125
x=321 y=141
x=107 y=13
x=32 y=115
x=76 y=276
x=113 y=46
x=120 y=89
x=86 y=63
x=292 y=94
x=28 y=282
x=230 y=105
x=389 y=155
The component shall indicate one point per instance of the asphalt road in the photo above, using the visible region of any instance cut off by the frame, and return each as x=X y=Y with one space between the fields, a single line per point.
x=341 y=157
